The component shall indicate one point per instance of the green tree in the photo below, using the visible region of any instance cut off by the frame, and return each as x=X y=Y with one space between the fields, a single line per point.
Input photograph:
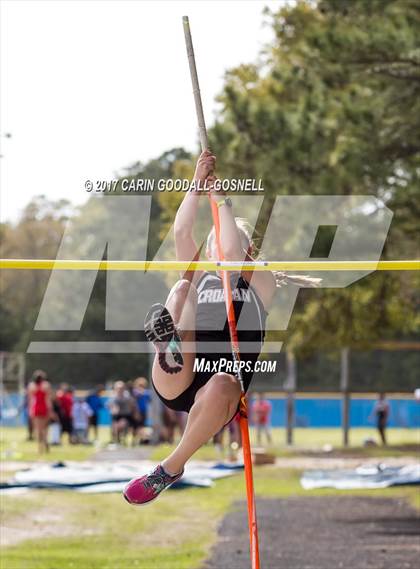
x=333 y=107
x=36 y=235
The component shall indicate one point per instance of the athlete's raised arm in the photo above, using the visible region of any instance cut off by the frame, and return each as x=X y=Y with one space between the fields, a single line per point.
x=237 y=246
x=230 y=238
x=185 y=246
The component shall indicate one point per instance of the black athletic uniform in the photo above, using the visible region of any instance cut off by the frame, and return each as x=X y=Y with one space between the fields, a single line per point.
x=212 y=327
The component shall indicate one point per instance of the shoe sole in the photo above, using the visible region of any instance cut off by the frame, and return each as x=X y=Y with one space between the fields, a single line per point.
x=159 y=328
x=159 y=315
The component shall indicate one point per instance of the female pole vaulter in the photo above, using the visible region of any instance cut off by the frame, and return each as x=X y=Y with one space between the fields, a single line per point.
x=195 y=312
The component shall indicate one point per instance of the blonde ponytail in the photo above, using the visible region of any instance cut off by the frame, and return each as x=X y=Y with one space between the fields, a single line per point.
x=248 y=243
x=299 y=280
x=282 y=278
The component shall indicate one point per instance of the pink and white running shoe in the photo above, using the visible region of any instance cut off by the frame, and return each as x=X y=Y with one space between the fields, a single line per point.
x=148 y=487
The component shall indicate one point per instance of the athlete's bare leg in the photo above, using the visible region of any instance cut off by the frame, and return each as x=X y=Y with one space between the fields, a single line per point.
x=41 y=433
x=215 y=405
x=182 y=305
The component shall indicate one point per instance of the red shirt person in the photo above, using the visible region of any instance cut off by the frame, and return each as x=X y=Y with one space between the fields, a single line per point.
x=39 y=404
x=261 y=417
x=65 y=400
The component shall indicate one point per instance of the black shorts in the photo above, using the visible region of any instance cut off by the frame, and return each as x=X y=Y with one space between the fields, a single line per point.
x=93 y=420
x=140 y=423
x=381 y=423
x=185 y=400
x=135 y=422
x=118 y=417
x=66 y=424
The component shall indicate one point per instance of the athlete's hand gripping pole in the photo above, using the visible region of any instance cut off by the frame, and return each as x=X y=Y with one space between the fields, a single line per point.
x=252 y=516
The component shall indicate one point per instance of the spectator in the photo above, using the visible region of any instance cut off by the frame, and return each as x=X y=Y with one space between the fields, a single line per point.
x=168 y=425
x=143 y=398
x=234 y=435
x=134 y=423
x=171 y=420
x=25 y=408
x=261 y=417
x=218 y=442
x=39 y=398
x=65 y=399
x=95 y=403
x=81 y=413
x=381 y=412
x=122 y=406
x=235 y=439
x=55 y=420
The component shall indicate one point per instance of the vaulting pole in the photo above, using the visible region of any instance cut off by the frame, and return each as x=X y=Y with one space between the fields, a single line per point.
x=252 y=516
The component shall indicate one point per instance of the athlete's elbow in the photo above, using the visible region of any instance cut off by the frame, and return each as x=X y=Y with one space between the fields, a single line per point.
x=181 y=231
x=233 y=253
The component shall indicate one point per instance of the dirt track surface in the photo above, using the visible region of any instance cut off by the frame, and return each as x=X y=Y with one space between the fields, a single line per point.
x=322 y=533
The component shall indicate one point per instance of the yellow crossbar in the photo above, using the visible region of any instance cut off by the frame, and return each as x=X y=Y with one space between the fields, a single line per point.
x=91 y=265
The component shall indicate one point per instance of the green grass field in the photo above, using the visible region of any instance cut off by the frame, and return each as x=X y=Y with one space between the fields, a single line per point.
x=313 y=440
x=66 y=530
x=13 y=444
x=103 y=532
